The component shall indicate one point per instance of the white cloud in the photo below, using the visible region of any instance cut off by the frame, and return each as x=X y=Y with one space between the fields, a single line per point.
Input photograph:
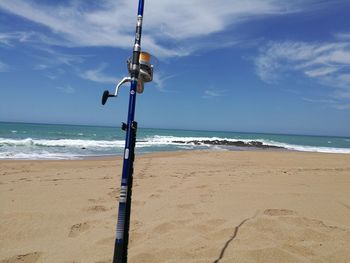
x=211 y=93
x=168 y=24
x=97 y=75
x=4 y=67
x=326 y=63
x=321 y=71
x=315 y=60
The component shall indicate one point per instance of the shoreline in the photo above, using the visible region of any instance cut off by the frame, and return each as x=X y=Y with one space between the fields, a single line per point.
x=235 y=149
x=283 y=206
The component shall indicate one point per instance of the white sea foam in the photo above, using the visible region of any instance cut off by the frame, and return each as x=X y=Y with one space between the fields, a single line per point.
x=73 y=148
x=62 y=143
x=172 y=140
x=38 y=156
x=305 y=148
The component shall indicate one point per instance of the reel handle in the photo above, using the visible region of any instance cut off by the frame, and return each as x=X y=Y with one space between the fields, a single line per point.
x=105 y=96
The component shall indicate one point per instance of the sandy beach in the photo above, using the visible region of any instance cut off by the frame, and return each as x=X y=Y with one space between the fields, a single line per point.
x=245 y=206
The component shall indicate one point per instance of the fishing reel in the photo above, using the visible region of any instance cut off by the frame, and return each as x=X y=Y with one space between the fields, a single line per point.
x=145 y=75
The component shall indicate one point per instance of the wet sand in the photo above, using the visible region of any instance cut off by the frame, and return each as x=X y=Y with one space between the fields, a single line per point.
x=247 y=206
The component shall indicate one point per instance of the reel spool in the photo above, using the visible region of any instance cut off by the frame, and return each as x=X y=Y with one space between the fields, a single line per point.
x=145 y=75
x=146 y=70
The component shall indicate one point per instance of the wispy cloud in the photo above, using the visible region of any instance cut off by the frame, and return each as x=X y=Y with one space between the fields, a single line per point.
x=41 y=67
x=9 y=39
x=49 y=59
x=212 y=93
x=342 y=106
x=160 y=80
x=327 y=63
x=4 y=67
x=66 y=89
x=339 y=105
x=60 y=57
x=97 y=75
x=168 y=24
x=343 y=36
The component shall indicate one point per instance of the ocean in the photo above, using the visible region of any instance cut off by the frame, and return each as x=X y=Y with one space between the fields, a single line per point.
x=52 y=141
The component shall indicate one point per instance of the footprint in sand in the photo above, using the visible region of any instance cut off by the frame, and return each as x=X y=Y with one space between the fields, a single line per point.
x=25 y=258
x=138 y=203
x=76 y=229
x=164 y=228
x=99 y=200
x=106 y=241
x=154 y=196
x=146 y=257
x=114 y=194
x=186 y=206
x=97 y=208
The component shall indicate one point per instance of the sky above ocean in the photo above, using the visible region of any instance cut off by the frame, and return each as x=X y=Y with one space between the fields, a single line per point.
x=255 y=66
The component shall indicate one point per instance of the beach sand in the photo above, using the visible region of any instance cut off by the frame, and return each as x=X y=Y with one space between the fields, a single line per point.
x=245 y=206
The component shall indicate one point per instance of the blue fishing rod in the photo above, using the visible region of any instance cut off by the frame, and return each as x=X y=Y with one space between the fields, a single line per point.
x=140 y=71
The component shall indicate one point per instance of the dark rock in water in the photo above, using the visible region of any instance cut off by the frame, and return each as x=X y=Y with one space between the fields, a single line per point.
x=83 y=148
x=255 y=144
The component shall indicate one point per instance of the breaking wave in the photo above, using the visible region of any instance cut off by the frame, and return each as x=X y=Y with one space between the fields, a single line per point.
x=30 y=148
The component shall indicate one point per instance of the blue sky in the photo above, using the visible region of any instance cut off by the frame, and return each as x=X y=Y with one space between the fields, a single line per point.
x=255 y=65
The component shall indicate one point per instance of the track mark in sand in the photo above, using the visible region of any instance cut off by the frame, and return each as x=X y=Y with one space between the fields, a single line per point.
x=76 y=229
x=145 y=169
x=25 y=258
x=279 y=212
x=24 y=179
x=216 y=222
x=186 y=206
x=200 y=214
x=233 y=237
x=345 y=205
x=280 y=235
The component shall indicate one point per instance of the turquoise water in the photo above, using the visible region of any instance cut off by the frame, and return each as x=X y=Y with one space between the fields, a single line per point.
x=48 y=141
